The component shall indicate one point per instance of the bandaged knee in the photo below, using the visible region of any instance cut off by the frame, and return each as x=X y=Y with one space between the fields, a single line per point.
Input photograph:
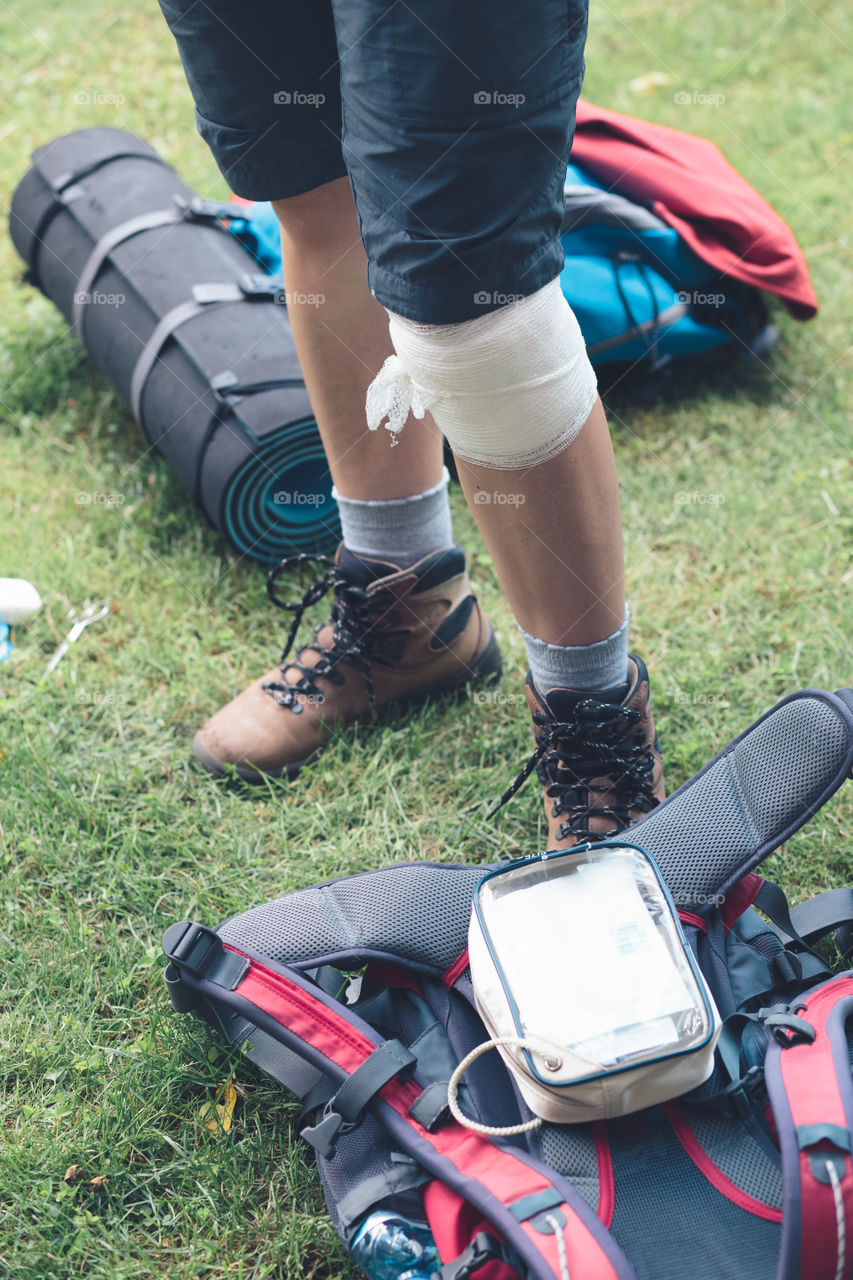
x=510 y=389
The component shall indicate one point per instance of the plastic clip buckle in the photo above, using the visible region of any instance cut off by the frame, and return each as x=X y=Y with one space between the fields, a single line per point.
x=198 y=209
x=787 y=1029
x=482 y=1249
x=255 y=285
x=193 y=947
x=324 y=1135
x=745 y=1094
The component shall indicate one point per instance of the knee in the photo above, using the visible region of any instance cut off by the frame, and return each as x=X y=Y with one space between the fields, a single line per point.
x=509 y=390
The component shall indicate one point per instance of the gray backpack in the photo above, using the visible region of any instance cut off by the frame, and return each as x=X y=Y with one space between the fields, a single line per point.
x=356 y=996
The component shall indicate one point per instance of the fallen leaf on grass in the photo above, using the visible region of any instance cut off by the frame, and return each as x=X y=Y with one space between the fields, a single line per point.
x=649 y=82
x=73 y=1174
x=98 y=1182
x=217 y=1117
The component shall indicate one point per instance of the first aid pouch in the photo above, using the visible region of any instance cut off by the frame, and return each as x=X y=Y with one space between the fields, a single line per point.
x=586 y=985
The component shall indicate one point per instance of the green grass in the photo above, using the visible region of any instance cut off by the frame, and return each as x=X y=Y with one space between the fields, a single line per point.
x=108 y=833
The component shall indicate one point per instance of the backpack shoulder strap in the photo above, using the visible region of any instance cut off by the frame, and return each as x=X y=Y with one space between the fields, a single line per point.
x=828 y=912
x=808 y=1075
x=545 y=1221
x=751 y=797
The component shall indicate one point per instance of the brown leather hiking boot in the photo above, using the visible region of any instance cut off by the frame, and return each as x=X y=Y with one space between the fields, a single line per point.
x=394 y=635
x=598 y=759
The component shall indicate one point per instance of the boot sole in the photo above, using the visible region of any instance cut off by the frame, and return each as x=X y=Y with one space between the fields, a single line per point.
x=487 y=668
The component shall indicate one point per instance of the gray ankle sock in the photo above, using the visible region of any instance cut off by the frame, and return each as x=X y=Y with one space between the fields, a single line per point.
x=398 y=529
x=593 y=667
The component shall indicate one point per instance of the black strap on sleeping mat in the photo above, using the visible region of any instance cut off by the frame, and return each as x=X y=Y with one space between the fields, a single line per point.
x=204 y=295
x=102 y=249
x=66 y=189
x=195 y=210
x=163 y=330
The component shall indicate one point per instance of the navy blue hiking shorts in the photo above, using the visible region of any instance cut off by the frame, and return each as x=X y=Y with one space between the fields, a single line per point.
x=453 y=120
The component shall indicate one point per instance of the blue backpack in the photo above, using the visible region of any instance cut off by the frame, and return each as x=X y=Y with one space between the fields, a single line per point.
x=641 y=296
x=356 y=995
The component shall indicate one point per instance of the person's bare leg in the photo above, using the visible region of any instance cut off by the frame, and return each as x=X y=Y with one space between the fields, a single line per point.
x=554 y=532
x=430 y=639
x=558 y=553
x=342 y=344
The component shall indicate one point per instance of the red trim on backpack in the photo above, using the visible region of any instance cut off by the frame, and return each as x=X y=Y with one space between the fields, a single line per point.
x=510 y=1179
x=687 y=917
x=392 y=975
x=606 y=1191
x=739 y=898
x=498 y=1169
x=454 y=1223
x=811 y=1085
x=307 y=1018
x=456 y=970
x=712 y=1172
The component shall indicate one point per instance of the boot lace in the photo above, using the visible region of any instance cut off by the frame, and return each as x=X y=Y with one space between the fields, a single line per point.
x=598 y=740
x=355 y=615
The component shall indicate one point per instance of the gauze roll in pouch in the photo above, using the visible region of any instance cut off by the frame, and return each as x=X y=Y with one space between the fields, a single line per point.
x=582 y=973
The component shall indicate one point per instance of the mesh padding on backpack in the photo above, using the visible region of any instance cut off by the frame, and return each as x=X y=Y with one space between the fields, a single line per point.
x=670 y=1221
x=767 y=944
x=360 y=1155
x=419 y=912
x=701 y=836
x=570 y=1149
x=737 y=1155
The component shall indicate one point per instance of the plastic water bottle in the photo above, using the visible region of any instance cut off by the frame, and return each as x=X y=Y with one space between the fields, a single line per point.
x=387 y=1247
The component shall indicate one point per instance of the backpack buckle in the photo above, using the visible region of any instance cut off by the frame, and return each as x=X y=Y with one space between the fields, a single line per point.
x=787 y=1029
x=324 y=1135
x=746 y=1093
x=202 y=953
x=482 y=1249
x=345 y=1110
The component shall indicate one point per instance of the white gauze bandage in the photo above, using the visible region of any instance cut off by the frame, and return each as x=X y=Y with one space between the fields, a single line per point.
x=509 y=390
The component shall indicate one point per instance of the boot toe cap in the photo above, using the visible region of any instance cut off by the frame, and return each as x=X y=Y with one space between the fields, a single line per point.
x=246 y=736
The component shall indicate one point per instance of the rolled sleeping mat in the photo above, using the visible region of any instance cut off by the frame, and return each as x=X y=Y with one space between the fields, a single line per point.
x=194 y=339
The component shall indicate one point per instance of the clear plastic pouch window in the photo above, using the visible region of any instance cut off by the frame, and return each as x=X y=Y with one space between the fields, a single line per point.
x=592 y=960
